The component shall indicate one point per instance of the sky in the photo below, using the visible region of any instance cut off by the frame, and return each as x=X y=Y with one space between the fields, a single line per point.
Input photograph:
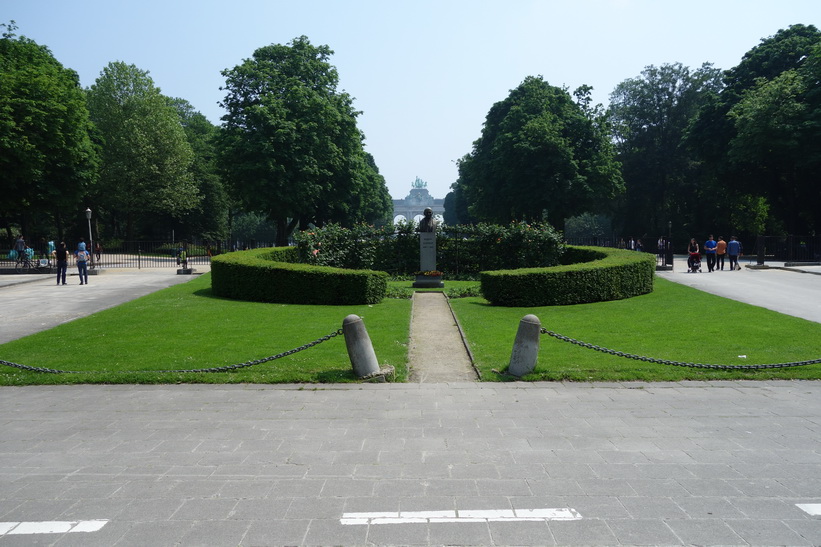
x=425 y=73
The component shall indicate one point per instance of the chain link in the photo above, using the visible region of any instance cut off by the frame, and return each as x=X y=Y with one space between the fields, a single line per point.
x=225 y=368
x=675 y=363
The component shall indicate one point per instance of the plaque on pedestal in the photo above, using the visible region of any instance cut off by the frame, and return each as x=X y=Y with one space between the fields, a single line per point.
x=427 y=262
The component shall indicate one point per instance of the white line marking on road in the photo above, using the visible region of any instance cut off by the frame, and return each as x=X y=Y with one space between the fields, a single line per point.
x=50 y=527
x=813 y=509
x=470 y=515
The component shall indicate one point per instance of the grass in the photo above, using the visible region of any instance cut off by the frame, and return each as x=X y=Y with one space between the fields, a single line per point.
x=673 y=322
x=186 y=327
x=453 y=289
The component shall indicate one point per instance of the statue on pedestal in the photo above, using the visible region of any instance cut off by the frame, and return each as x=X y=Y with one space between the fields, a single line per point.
x=427 y=253
x=428 y=223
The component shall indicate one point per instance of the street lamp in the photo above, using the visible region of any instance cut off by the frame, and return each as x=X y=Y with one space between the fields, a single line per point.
x=90 y=241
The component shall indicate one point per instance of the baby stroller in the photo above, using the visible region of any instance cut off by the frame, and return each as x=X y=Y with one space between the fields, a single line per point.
x=694 y=263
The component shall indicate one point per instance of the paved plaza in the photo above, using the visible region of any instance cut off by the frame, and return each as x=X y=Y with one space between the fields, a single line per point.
x=451 y=463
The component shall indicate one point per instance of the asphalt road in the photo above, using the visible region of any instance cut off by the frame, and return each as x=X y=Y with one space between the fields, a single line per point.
x=793 y=291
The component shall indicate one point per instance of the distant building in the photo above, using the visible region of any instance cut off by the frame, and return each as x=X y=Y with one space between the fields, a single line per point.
x=413 y=206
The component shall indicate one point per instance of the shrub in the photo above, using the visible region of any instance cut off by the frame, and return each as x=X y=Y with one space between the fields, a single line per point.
x=600 y=274
x=270 y=275
x=462 y=251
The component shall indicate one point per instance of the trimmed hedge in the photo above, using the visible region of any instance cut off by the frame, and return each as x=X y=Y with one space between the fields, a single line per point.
x=587 y=274
x=271 y=275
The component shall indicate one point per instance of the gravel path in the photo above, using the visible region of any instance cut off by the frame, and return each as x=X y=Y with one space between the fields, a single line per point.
x=437 y=352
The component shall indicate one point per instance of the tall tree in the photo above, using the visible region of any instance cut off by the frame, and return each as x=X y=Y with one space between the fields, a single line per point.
x=540 y=156
x=650 y=116
x=146 y=157
x=776 y=139
x=47 y=158
x=289 y=143
x=210 y=219
x=758 y=135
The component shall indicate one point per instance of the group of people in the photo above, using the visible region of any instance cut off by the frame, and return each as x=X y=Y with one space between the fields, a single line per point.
x=715 y=253
x=81 y=255
x=61 y=255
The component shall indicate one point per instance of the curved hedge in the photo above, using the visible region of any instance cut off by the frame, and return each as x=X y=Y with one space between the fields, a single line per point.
x=271 y=275
x=588 y=274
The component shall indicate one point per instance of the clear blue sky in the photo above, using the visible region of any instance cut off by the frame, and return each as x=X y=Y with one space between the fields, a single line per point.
x=424 y=73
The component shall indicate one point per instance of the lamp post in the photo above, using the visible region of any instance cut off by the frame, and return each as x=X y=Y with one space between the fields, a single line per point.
x=90 y=240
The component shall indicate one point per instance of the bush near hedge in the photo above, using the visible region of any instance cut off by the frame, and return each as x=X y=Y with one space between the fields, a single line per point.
x=587 y=274
x=462 y=251
x=272 y=275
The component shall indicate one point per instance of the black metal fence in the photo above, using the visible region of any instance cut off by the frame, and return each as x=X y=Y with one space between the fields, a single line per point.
x=144 y=254
x=786 y=249
x=662 y=248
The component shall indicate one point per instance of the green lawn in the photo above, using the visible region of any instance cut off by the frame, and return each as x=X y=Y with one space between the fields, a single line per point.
x=185 y=327
x=673 y=322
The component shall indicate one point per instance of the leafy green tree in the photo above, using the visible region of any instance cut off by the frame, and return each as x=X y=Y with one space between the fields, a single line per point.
x=757 y=135
x=650 y=115
x=47 y=157
x=146 y=157
x=210 y=219
x=456 y=206
x=774 y=141
x=289 y=144
x=541 y=156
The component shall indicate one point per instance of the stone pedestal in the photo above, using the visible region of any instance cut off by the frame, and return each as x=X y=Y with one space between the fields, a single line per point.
x=427 y=262
x=428 y=282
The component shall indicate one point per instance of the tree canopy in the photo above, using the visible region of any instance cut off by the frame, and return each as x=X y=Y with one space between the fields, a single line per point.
x=289 y=144
x=541 y=156
x=146 y=157
x=650 y=116
x=47 y=157
x=758 y=137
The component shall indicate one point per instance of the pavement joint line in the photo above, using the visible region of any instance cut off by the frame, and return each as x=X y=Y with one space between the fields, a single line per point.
x=462 y=516
x=50 y=527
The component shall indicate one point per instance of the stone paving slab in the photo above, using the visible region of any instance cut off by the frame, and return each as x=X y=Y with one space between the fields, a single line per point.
x=708 y=463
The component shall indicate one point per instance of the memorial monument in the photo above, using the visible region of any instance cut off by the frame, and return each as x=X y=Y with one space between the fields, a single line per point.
x=428 y=276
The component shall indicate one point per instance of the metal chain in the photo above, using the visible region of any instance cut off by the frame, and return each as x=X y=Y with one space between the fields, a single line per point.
x=676 y=363
x=211 y=369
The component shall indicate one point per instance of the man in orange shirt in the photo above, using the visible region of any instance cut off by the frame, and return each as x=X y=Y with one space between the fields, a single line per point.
x=721 y=251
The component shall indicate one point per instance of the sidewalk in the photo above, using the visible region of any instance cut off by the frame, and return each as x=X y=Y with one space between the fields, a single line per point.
x=691 y=463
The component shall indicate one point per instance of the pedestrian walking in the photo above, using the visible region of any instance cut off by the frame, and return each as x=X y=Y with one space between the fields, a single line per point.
x=82 y=265
x=734 y=250
x=61 y=256
x=20 y=247
x=710 y=253
x=721 y=252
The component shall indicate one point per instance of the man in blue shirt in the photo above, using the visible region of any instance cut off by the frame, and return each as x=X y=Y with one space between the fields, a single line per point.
x=710 y=253
x=733 y=252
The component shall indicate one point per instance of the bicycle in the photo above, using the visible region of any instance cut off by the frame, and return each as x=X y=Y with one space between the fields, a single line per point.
x=26 y=264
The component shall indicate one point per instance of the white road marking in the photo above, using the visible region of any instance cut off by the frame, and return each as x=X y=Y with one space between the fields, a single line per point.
x=50 y=527
x=470 y=515
x=813 y=509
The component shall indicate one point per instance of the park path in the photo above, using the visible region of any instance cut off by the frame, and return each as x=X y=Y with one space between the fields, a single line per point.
x=437 y=352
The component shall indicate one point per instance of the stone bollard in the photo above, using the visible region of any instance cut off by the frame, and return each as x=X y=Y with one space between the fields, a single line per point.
x=360 y=349
x=525 y=347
